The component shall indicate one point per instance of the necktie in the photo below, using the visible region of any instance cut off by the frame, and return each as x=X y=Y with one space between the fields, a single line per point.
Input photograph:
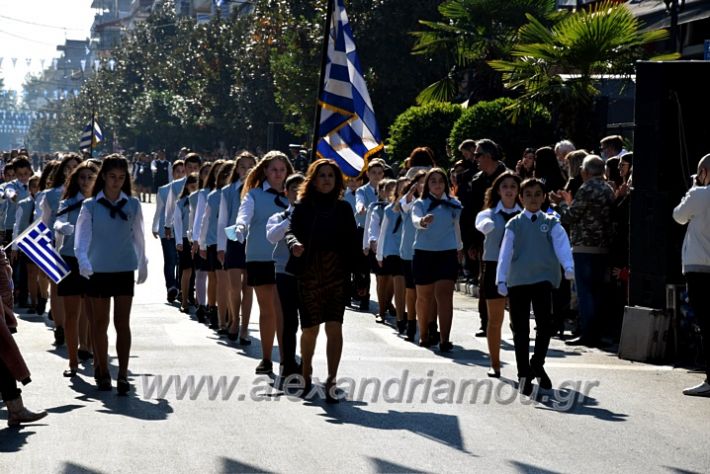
x=397 y=224
x=115 y=209
x=70 y=208
x=441 y=202
x=277 y=199
x=508 y=216
x=533 y=218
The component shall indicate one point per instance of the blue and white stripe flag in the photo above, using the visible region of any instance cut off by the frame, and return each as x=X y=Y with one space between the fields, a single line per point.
x=348 y=130
x=91 y=137
x=36 y=243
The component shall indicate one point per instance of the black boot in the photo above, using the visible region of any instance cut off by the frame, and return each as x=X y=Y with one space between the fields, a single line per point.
x=200 y=313
x=59 y=336
x=402 y=326
x=214 y=322
x=433 y=333
x=41 y=305
x=411 y=330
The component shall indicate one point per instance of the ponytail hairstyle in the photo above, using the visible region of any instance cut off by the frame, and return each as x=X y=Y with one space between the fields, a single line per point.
x=211 y=181
x=72 y=184
x=112 y=162
x=257 y=175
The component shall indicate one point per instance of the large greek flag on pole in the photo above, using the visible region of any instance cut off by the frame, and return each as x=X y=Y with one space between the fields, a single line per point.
x=91 y=136
x=348 y=129
x=36 y=243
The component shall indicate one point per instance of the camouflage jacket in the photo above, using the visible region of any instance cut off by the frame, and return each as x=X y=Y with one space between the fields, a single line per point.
x=588 y=218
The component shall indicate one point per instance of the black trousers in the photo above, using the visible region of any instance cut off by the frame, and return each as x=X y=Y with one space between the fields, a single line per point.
x=519 y=298
x=8 y=384
x=698 y=284
x=288 y=294
x=361 y=276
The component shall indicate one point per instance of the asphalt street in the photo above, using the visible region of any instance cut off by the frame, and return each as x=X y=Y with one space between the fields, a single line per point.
x=432 y=413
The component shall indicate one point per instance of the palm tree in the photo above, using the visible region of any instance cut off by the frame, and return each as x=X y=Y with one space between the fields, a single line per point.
x=471 y=33
x=556 y=67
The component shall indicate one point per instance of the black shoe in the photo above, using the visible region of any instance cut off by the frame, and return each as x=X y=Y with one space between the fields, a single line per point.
x=30 y=310
x=433 y=334
x=172 y=294
x=85 y=355
x=380 y=319
x=411 y=330
x=525 y=386
x=244 y=341
x=232 y=336
x=481 y=333
x=214 y=321
x=402 y=326
x=446 y=346
x=222 y=332
x=331 y=397
x=41 y=305
x=493 y=373
x=365 y=305
x=391 y=310
x=69 y=372
x=200 y=313
x=264 y=367
x=542 y=377
x=425 y=344
x=122 y=386
x=103 y=384
x=59 y=336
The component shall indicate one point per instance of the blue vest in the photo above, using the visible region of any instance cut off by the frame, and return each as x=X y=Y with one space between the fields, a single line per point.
x=440 y=235
x=258 y=249
x=163 y=192
x=67 y=247
x=22 y=193
x=232 y=194
x=393 y=232
x=406 y=246
x=27 y=206
x=213 y=199
x=52 y=197
x=349 y=197
x=534 y=259
x=111 y=249
x=281 y=252
x=491 y=246
x=369 y=195
x=177 y=186
x=184 y=207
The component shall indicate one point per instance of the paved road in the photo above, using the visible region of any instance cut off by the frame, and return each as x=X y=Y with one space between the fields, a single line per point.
x=612 y=416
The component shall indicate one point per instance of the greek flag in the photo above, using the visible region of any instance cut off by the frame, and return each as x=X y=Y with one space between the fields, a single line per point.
x=36 y=243
x=91 y=136
x=348 y=130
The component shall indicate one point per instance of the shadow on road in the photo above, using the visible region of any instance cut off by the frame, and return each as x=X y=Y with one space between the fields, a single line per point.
x=232 y=465
x=71 y=468
x=529 y=468
x=380 y=465
x=12 y=439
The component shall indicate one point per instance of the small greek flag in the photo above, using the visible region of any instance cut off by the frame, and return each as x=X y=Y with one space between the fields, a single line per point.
x=347 y=129
x=36 y=243
x=91 y=136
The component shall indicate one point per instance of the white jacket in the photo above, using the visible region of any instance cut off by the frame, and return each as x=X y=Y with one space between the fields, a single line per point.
x=694 y=210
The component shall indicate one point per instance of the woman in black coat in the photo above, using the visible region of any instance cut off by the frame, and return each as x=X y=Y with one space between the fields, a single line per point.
x=323 y=242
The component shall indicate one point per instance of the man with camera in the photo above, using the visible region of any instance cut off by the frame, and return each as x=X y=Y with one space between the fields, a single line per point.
x=694 y=210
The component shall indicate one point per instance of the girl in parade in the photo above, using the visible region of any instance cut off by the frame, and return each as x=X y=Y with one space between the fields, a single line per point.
x=24 y=216
x=73 y=287
x=233 y=254
x=373 y=220
x=208 y=241
x=197 y=202
x=110 y=247
x=387 y=254
x=181 y=222
x=500 y=206
x=409 y=195
x=437 y=251
x=262 y=197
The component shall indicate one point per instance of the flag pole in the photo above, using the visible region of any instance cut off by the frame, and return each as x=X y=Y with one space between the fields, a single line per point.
x=91 y=145
x=324 y=60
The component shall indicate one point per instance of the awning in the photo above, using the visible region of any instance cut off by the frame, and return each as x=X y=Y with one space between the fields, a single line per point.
x=654 y=15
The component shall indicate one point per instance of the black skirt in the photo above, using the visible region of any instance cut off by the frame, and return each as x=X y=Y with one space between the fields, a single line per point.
x=392 y=266
x=408 y=274
x=106 y=285
x=213 y=262
x=235 y=255
x=261 y=273
x=488 y=285
x=431 y=266
x=73 y=284
x=185 y=255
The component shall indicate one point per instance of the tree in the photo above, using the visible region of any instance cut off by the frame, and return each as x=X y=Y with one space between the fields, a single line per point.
x=555 y=67
x=471 y=33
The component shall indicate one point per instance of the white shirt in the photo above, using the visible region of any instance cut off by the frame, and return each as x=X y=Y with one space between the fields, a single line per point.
x=373 y=224
x=159 y=208
x=197 y=222
x=560 y=243
x=204 y=226
x=484 y=219
x=178 y=226
x=82 y=240
x=170 y=203
x=360 y=204
x=276 y=228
